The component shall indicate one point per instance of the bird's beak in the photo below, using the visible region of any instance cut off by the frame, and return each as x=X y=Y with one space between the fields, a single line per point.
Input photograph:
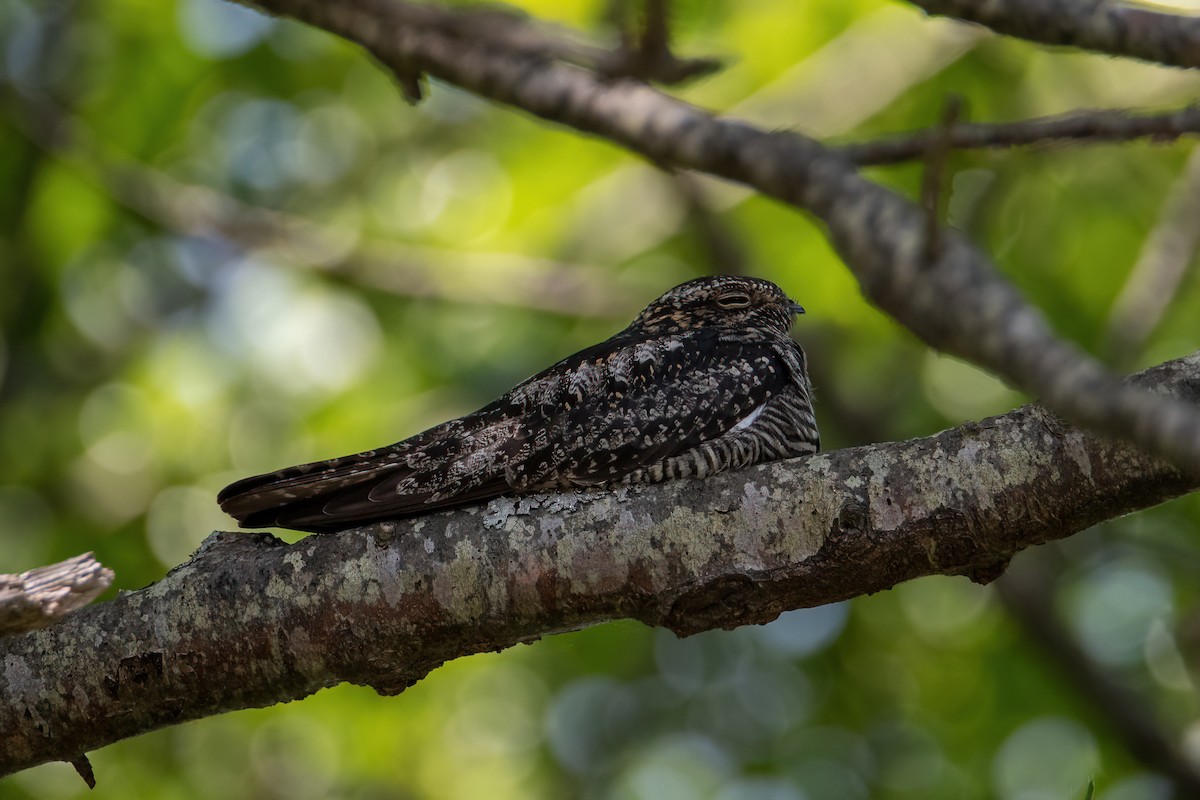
x=795 y=307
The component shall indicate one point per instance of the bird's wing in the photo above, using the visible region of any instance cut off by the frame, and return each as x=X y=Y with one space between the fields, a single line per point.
x=456 y=463
x=644 y=403
x=341 y=492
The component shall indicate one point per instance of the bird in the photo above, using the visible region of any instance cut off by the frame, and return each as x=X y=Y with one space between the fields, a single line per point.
x=706 y=379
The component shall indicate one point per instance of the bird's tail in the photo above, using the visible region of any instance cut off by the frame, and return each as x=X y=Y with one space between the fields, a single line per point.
x=452 y=464
x=296 y=497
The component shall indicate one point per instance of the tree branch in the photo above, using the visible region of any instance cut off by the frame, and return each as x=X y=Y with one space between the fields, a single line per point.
x=1081 y=127
x=958 y=303
x=250 y=621
x=931 y=181
x=1103 y=25
x=647 y=54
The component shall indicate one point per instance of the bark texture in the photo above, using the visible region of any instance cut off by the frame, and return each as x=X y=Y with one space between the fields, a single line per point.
x=249 y=621
x=1108 y=26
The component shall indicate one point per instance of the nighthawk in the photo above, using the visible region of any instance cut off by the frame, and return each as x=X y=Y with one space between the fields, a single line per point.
x=706 y=379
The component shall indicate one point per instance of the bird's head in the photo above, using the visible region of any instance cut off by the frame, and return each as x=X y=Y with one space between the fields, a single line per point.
x=731 y=303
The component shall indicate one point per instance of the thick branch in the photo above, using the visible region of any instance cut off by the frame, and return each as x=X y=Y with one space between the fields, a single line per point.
x=1103 y=25
x=249 y=621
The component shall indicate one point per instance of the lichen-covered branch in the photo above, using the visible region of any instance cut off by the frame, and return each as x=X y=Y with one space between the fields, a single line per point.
x=250 y=621
x=1108 y=26
x=956 y=302
x=35 y=598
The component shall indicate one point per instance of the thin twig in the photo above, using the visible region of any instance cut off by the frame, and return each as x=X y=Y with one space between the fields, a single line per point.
x=931 y=182
x=84 y=768
x=647 y=55
x=656 y=30
x=1080 y=127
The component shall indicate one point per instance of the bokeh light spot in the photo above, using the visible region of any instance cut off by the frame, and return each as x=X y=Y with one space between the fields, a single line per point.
x=1050 y=757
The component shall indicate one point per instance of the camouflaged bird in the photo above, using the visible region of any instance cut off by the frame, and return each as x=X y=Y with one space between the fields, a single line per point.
x=706 y=379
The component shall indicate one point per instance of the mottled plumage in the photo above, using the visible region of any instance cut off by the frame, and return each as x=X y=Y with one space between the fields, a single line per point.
x=706 y=379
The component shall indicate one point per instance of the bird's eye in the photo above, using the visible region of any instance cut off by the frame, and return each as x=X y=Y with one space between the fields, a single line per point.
x=733 y=300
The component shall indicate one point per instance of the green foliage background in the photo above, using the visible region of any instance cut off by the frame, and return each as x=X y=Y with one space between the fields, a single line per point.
x=147 y=359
